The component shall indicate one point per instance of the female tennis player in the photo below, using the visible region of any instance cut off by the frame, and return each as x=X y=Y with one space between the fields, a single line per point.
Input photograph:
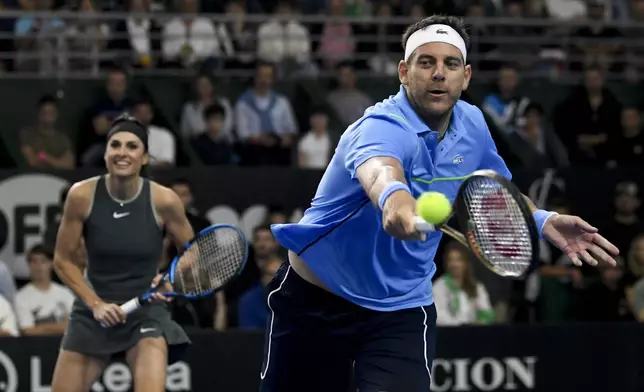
x=122 y=218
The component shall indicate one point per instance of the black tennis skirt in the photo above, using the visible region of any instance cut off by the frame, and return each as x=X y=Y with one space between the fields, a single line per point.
x=85 y=335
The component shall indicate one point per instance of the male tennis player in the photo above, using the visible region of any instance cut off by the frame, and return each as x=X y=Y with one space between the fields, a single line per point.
x=356 y=294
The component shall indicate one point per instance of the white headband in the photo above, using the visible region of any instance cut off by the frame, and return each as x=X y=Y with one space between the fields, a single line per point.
x=435 y=33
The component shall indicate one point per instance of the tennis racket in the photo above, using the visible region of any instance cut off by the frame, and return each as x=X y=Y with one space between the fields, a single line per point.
x=209 y=262
x=494 y=222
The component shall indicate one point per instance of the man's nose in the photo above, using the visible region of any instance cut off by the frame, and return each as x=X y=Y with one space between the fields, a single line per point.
x=439 y=74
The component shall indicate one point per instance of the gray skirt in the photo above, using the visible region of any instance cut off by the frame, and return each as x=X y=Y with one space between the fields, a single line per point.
x=86 y=336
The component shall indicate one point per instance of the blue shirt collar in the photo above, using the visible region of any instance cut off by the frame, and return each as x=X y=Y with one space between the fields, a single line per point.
x=408 y=111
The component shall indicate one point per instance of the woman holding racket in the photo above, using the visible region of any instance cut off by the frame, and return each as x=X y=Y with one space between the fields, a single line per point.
x=122 y=218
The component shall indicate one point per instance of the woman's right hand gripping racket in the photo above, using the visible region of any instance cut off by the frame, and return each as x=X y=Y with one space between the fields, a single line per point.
x=208 y=263
x=495 y=223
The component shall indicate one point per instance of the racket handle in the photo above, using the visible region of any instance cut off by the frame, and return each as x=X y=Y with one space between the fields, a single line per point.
x=423 y=226
x=131 y=305
x=128 y=307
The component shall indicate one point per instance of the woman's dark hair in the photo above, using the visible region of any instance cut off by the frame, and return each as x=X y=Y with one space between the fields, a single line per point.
x=469 y=282
x=128 y=123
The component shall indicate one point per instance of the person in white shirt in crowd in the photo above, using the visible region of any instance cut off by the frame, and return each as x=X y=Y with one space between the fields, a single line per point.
x=8 y=322
x=193 y=122
x=162 y=143
x=265 y=121
x=7 y=283
x=188 y=38
x=314 y=149
x=43 y=305
x=285 y=42
x=460 y=299
x=137 y=39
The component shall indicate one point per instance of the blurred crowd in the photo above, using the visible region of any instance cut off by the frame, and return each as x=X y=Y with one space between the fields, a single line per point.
x=590 y=125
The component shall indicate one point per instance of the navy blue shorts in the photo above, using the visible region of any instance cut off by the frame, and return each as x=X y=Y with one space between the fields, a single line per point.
x=317 y=341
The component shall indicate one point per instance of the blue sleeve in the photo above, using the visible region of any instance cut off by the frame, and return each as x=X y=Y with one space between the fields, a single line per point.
x=491 y=160
x=380 y=136
x=22 y=26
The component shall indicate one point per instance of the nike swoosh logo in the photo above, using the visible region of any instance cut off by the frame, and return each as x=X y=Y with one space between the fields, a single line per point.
x=121 y=215
x=144 y=330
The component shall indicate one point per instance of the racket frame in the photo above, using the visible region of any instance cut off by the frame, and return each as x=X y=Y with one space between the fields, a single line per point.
x=137 y=302
x=173 y=265
x=465 y=236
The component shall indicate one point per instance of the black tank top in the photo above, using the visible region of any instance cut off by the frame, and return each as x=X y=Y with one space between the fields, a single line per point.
x=124 y=243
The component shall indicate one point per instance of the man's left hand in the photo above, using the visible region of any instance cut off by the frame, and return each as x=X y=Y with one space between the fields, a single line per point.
x=578 y=239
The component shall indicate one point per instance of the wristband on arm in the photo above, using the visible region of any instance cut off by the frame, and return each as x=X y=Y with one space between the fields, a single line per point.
x=540 y=218
x=389 y=189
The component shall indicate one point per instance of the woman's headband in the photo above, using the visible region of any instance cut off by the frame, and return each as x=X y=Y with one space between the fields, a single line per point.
x=435 y=33
x=129 y=124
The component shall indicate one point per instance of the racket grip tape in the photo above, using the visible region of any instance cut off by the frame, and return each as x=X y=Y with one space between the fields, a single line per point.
x=423 y=226
x=128 y=307
x=131 y=305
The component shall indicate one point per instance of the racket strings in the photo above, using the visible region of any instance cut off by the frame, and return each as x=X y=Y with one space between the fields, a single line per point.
x=499 y=227
x=210 y=262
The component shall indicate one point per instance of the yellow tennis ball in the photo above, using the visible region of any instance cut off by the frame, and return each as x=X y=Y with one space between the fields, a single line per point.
x=433 y=207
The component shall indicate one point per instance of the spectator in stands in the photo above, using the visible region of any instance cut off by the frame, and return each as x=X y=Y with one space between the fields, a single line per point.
x=7 y=284
x=348 y=102
x=598 y=44
x=524 y=53
x=192 y=117
x=477 y=9
x=43 y=145
x=115 y=102
x=596 y=115
x=635 y=257
x=625 y=223
x=637 y=295
x=384 y=53
x=8 y=322
x=162 y=143
x=137 y=38
x=284 y=41
x=43 y=305
x=212 y=146
x=265 y=121
x=627 y=147
x=566 y=9
x=276 y=216
x=86 y=39
x=242 y=35
x=506 y=106
x=337 y=40
x=459 y=297
x=314 y=149
x=188 y=39
x=252 y=309
x=605 y=300
x=38 y=38
x=535 y=145
x=183 y=188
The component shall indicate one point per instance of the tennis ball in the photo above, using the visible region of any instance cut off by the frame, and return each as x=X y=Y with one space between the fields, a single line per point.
x=433 y=207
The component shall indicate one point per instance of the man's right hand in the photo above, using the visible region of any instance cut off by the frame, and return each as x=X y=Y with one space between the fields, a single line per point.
x=398 y=217
x=109 y=314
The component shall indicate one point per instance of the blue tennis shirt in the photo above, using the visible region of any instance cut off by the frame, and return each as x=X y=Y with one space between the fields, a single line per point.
x=341 y=237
